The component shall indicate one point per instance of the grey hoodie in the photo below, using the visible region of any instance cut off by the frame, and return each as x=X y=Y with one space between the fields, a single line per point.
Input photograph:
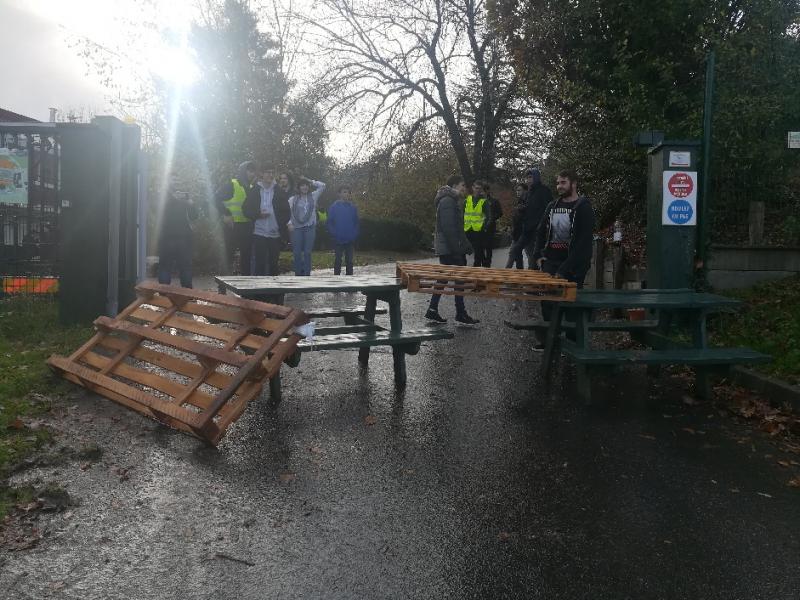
x=450 y=236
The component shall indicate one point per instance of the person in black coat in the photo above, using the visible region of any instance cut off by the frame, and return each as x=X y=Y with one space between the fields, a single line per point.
x=175 y=236
x=515 y=252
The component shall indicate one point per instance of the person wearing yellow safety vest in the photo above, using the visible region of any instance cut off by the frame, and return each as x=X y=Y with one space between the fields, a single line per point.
x=238 y=229
x=477 y=219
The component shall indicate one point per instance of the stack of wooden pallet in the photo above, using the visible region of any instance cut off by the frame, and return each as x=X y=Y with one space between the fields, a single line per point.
x=190 y=359
x=509 y=284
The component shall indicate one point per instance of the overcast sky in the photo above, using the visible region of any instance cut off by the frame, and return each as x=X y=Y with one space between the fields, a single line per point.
x=39 y=69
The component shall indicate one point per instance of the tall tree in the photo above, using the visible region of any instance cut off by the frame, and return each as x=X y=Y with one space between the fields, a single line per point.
x=601 y=70
x=395 y=66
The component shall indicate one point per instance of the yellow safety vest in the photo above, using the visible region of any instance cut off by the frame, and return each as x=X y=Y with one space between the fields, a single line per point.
x=473 y=215
x=234 y=205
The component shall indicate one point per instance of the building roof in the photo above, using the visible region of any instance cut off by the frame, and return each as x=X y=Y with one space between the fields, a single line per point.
x=6 y=116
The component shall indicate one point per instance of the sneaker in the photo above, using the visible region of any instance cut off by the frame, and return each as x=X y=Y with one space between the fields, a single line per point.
x=465 y=319
x=538 y=347
x=433 y=315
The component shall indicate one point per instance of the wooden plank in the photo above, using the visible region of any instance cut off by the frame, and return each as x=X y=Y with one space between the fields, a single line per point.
x=249 y=306
x=151 y=380
x=255 y=286
x=217 y=313
x=170 y=363
x=174 y=341
x=139 y=397
x=225 y=334
x=326 y=313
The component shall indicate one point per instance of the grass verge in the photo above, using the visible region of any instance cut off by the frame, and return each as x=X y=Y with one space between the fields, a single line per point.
x=768 y=322
x=29 y=333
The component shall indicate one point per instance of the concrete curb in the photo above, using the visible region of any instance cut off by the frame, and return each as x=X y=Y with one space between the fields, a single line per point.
x=774 y=390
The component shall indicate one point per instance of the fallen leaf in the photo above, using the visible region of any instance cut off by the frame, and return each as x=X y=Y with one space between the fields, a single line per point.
x=688 y=430
x=370 y=420
x=287 y=477
x=784 y=463
x=794 y=482
x=689 y=401
x=764 y=494
x=647 y=437
x=16 y=424
x=503 y=536
x=315 y=450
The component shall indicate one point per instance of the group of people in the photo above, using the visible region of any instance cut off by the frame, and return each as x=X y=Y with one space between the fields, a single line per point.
x=556 y=234
x=262 y=212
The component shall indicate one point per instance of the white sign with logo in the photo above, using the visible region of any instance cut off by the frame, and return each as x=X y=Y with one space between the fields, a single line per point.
x=680 y=159
x=679 y=192
x=794 y=139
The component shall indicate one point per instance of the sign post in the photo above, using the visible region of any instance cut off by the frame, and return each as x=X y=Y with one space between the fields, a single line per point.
x=672 y=194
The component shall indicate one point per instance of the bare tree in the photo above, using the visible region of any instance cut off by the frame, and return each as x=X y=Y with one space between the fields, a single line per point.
x=395 y=65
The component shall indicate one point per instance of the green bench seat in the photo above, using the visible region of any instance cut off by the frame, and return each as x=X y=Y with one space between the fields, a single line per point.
x=694 y=357
x=409 y=340
x=538 y=324
x=329 y=313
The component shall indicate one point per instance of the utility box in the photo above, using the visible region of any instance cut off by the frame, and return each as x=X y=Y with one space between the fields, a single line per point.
x=99 y=205
x=672 y=191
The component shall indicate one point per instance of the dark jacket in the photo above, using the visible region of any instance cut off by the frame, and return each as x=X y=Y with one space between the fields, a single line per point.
x=579 y=255
x=176 y=218
x=280 y=204
x=537 y=200
x=450 y=237
x=517 y=218
x=343 y=222
x=496 y=211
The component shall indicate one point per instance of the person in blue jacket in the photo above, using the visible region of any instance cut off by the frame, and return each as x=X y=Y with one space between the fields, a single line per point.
x=343 y=228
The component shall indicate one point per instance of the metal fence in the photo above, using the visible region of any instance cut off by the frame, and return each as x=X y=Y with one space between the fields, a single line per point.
x=29 y=228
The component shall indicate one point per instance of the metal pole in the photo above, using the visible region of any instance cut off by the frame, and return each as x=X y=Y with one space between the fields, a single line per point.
x=705 y=198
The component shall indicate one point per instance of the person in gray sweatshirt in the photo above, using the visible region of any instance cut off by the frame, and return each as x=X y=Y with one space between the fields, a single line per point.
x=451 y=243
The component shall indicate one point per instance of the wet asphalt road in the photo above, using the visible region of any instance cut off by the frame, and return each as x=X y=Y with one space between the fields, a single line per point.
x=477 y=481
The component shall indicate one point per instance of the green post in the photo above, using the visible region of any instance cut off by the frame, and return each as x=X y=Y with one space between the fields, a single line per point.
x=705 y=197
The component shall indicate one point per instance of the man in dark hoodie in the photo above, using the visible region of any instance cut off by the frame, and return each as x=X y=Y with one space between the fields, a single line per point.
x=564 y=237
x=537 y=199
x=451 y=243
x=238 y=229
x=496 y=210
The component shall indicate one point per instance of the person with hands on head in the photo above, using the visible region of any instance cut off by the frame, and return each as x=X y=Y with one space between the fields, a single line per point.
x=451 y=243
x=564 y=237
x=303 y=222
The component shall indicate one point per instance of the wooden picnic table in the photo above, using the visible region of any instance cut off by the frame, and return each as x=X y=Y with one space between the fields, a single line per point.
x=359 y=329
x=666 y=309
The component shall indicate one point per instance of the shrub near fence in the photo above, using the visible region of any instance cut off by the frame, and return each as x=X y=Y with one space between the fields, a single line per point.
x=380 y=234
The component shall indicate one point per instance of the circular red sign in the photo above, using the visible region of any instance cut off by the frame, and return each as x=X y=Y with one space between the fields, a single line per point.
x=680 y=185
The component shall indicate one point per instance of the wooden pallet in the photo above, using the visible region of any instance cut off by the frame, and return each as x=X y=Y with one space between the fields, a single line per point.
x=509 y=284
x=190 y=359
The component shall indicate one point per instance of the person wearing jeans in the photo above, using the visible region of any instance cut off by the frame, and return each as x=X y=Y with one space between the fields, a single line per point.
x=303 y=223
x=451 y=243
x=343 y=228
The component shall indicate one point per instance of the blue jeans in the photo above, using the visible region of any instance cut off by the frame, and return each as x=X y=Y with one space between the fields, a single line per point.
x=347 y=250
x=302 y=245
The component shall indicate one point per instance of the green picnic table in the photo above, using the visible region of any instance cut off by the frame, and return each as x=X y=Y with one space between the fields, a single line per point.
x=359 y=329
x=665 y=310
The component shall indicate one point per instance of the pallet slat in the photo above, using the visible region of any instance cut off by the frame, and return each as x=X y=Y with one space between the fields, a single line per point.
x=507 y=284
x=114 y=361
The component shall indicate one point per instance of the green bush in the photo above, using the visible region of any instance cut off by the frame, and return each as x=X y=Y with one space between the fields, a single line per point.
x=390 y=234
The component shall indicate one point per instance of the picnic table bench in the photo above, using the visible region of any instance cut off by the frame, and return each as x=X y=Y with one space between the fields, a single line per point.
x=359 y=329
x=666 y=307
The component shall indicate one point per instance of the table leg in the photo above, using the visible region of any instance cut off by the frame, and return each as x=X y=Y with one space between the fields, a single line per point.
x=551 y=341
x=396 y=325
x=703 y=376
x=583 y=373
x=275 y=389
x=369 y=315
